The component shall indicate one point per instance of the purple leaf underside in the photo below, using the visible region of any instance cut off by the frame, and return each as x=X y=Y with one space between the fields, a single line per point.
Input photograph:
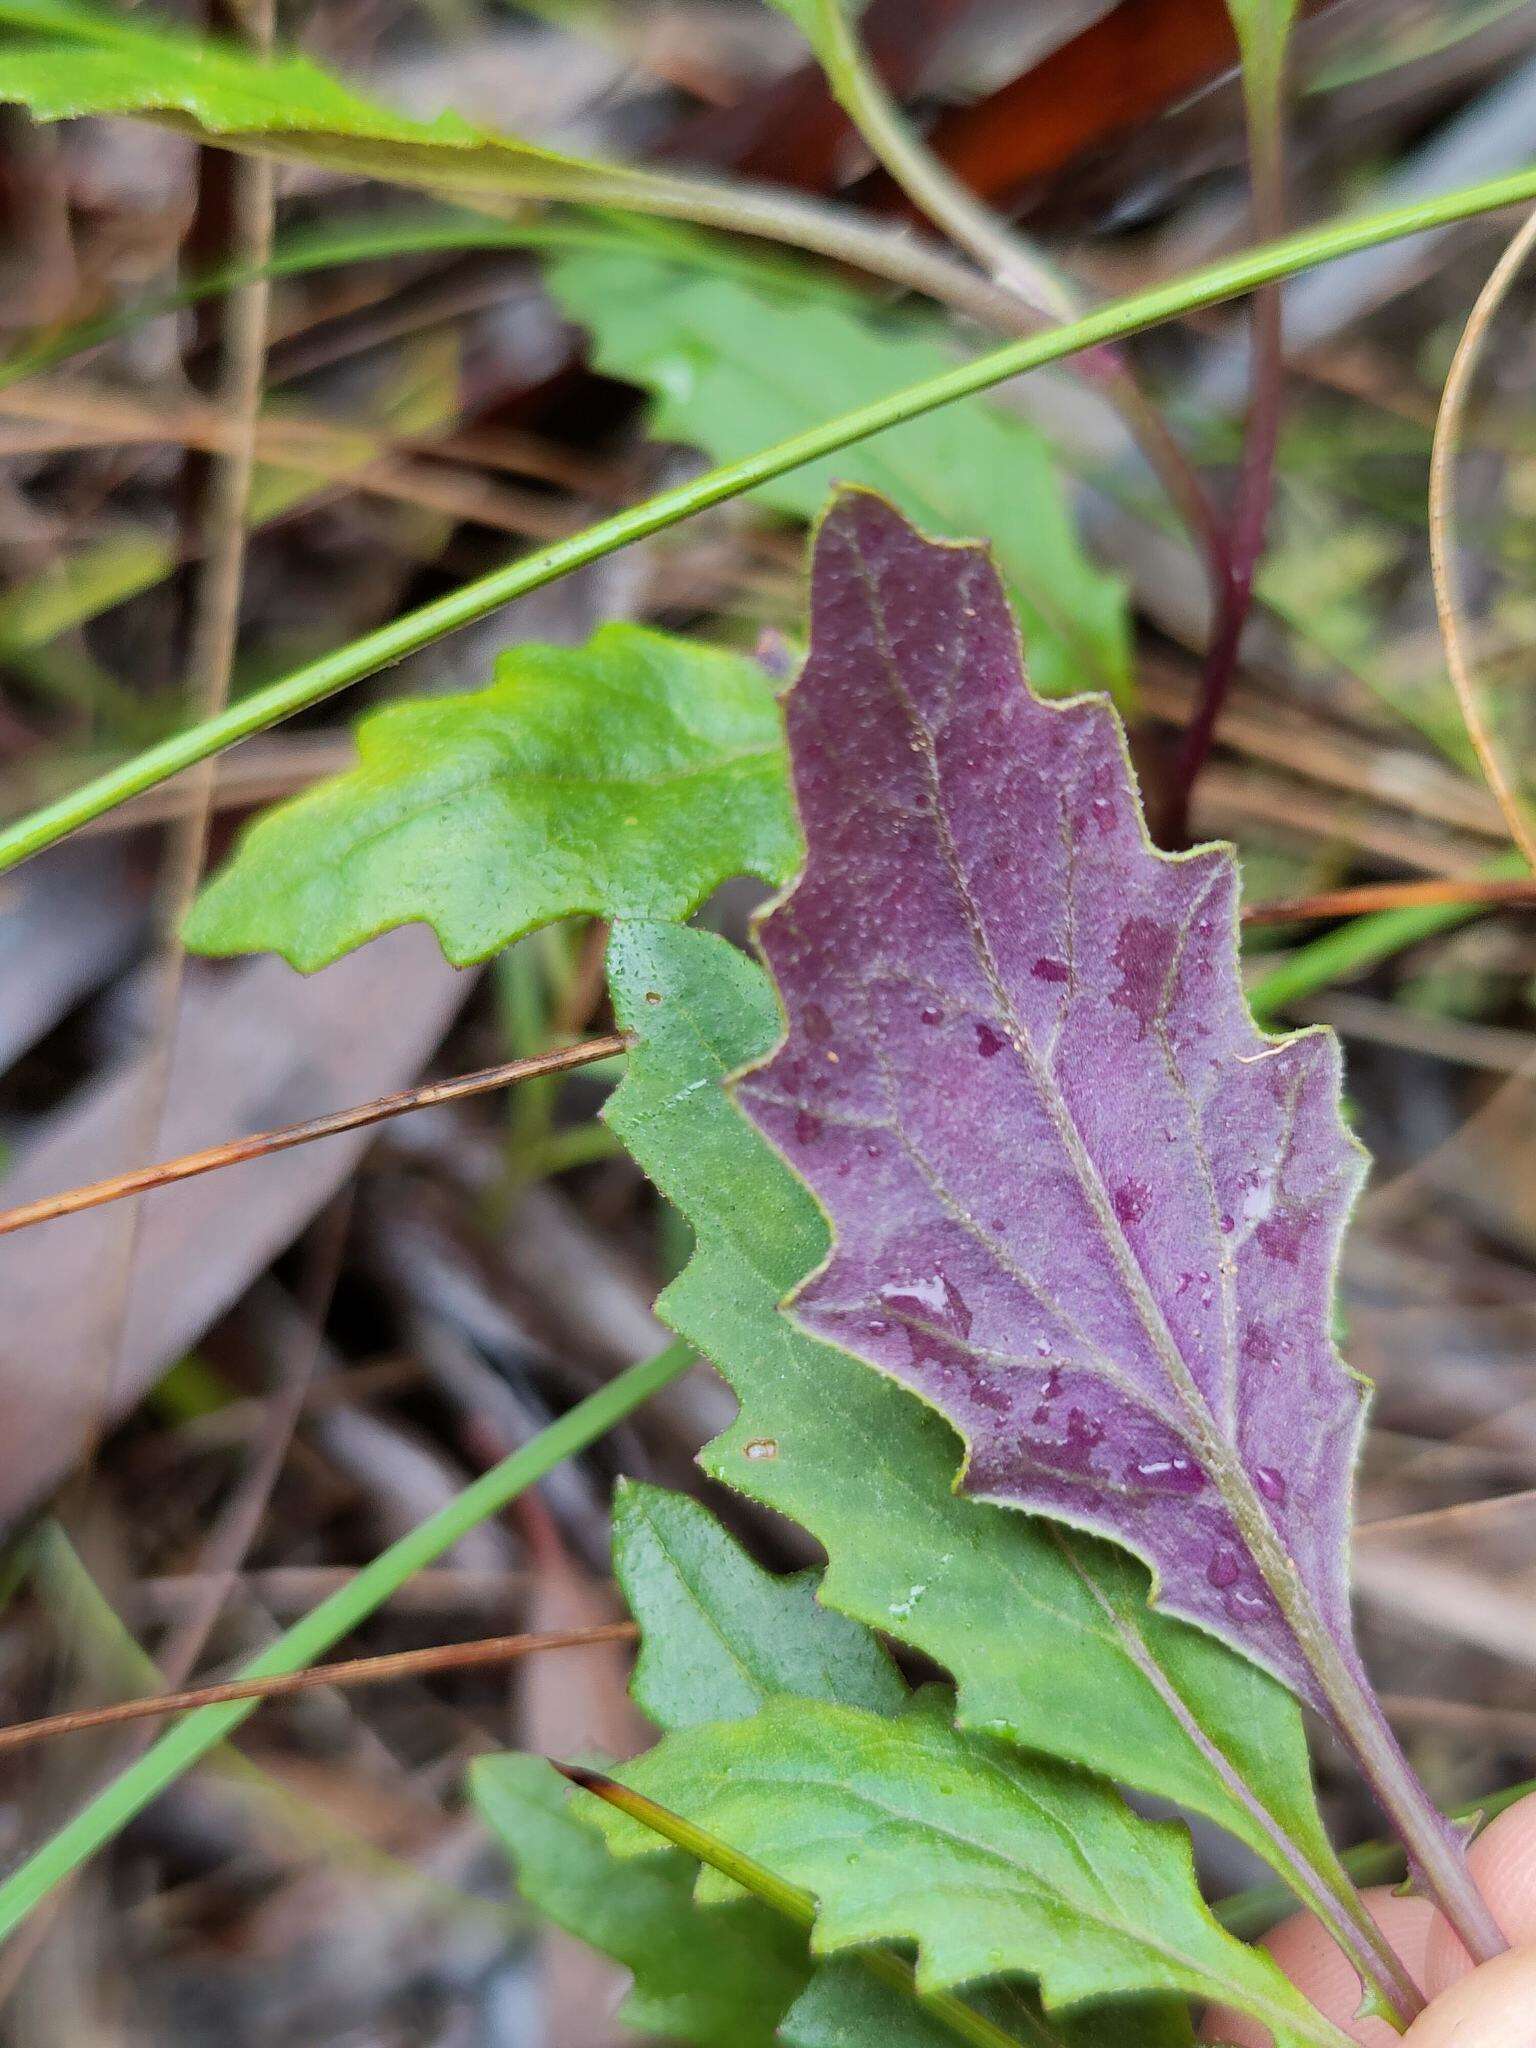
x=1081 y=1205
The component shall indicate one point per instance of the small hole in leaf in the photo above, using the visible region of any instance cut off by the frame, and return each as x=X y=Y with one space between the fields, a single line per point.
x=652 y=995
x=761 y=1447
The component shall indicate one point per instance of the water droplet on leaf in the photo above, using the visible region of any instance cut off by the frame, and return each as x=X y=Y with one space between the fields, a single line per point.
x=1224 y=1569
x=1173 y=1474
x=1271 y=1484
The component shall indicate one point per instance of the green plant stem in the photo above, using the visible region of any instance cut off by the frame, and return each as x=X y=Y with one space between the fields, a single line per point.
x=311 y=684
x=324 y=1626
x=962 y=2020
x=927 y=181
x=1039 y=291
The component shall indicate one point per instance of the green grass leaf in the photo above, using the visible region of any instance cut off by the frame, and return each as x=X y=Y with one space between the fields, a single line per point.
x=817 y=21
x=906 y=1829
x=730 y=366
x=370 y=652
x=720 y=1636
x=628 y=777
x=1047 y=1633
x=719 y=1976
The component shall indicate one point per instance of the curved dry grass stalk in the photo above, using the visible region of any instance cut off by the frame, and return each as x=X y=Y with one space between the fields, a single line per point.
x=1442 y=532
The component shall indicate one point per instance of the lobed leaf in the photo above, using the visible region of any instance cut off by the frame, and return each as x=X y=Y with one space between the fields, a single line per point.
x=1080 y=1204
x=1047 y=1632
x=846 y=2006
x=732 y=366
x=718 y=1976
x=628 y=777
x=905 y=1829
x=720 y=1636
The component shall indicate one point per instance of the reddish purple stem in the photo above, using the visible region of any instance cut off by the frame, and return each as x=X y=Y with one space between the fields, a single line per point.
x=1244 y=546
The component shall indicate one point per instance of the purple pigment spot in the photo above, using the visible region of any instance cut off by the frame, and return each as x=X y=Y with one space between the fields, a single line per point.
x=1280 y=1236
x=1143 y=954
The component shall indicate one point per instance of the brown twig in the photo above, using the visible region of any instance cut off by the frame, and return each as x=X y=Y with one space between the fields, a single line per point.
x=354 y=1671
x=261 y=1144
x=1370 y=896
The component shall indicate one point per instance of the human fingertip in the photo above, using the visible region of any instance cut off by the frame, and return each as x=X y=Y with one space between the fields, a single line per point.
x=1491 y=2008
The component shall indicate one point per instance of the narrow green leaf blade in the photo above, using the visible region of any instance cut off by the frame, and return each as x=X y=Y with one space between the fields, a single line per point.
x=719 y=1976
x=906 y=1829
x=720 y=1636
x=730 y=365
x=1048 y=1634
x=628 y=777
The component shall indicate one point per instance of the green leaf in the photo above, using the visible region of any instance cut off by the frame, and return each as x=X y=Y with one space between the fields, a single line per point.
x=1047 y=1632
x=906 y=1829
x=845 y=2006
x=731 y=366
x=70 y=60
x=628 y=777
x=719 y=1975
x=720 y=1636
